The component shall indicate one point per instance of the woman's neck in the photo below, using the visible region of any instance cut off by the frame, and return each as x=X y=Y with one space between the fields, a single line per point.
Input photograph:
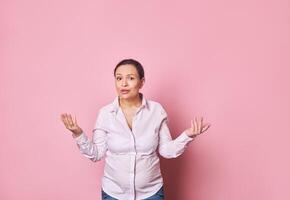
x=130 y=103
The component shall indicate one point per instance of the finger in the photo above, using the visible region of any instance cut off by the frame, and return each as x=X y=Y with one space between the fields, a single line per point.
x=65 y=121
x=71 y=120
x=68 y=120
x=195 y=125
x=198 y=125
x=62 y=117
x=76 y=120
x=206 y=127
x=201 y=123
x=192 y=126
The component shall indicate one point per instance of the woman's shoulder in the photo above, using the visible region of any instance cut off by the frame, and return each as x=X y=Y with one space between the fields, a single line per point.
x=156 y=105
x=105 y=108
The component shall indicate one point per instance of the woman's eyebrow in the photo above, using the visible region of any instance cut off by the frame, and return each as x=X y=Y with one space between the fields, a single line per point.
x=127 y=74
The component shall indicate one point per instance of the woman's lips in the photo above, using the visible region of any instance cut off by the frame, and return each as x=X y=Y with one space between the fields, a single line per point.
x=124 y=91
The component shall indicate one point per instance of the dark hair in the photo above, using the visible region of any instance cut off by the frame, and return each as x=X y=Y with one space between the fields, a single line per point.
x=133 y=62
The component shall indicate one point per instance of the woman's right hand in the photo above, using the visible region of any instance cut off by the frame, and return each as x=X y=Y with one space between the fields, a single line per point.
x=71 y=124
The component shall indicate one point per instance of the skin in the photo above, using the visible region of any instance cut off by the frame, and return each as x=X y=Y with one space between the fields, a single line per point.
x=127 y=77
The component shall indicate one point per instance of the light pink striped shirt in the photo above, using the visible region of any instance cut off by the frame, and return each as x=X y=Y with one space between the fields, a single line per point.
x=132 y=167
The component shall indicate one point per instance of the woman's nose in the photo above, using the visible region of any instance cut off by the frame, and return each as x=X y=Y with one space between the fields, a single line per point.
x=124 y=83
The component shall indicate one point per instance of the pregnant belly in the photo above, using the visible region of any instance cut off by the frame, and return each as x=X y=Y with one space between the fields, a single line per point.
x=125 y=171
x=147 y=172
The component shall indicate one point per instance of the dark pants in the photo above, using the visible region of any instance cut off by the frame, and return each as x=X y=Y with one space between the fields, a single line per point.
x=157 y=196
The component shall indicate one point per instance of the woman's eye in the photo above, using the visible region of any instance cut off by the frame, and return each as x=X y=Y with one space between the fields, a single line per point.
x=118 y=78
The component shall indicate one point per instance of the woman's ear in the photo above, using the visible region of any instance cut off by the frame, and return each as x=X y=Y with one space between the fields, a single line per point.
x=142 y=82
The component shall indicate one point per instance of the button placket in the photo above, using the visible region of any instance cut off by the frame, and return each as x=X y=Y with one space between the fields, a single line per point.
x=133 y=151
x=134 y=156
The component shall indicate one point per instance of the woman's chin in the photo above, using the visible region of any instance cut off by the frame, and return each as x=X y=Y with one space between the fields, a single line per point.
x=126 y=96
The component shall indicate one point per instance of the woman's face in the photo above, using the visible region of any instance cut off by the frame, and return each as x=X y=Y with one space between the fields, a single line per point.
x=127 y=81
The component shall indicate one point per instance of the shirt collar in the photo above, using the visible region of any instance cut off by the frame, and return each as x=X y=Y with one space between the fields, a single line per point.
x=115 y=103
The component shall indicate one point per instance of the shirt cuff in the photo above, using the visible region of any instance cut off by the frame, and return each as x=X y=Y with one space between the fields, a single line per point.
x=185 y=138
x=79 y=139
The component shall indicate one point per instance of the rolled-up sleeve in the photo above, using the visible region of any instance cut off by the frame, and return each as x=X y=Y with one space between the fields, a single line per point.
x=169 y=148
x=95 y=149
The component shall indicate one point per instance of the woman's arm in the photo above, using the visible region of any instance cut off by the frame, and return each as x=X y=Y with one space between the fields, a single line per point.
x=169 y=148
x=95 y=149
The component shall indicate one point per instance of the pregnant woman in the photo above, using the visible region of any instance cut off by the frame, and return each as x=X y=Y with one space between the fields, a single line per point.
x=129 y=133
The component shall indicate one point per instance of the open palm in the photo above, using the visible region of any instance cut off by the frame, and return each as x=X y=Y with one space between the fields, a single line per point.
x=197 y=127
x=71 y=124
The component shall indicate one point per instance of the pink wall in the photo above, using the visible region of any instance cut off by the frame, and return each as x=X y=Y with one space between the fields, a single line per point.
x=225 y=60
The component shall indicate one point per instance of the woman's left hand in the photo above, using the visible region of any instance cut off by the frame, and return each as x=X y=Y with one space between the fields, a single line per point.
x=197 y=127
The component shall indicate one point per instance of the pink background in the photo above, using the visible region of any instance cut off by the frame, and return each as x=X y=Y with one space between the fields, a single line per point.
x=227 y=61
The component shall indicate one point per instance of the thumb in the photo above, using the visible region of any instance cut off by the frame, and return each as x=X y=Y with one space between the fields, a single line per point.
x=76 y=120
